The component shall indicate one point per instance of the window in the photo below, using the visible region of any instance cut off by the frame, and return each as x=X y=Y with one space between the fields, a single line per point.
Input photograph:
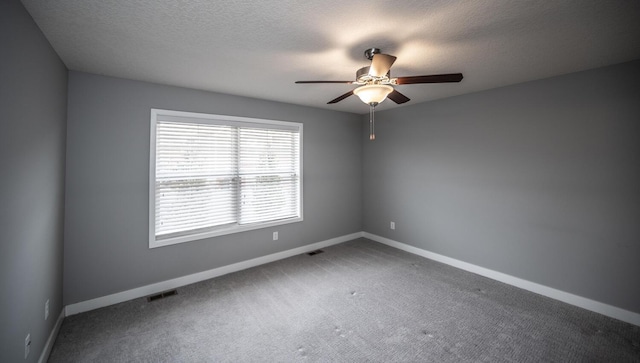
x=212 y=175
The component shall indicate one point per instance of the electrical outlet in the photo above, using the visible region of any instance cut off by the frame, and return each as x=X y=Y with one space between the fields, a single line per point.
x=27 y=345
x=275 y=235
x=392 y=225
x=46 y=310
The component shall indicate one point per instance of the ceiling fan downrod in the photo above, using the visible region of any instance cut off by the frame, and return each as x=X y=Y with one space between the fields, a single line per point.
x=368 y=53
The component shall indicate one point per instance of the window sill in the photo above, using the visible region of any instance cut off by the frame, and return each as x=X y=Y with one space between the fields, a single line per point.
x=153 y=243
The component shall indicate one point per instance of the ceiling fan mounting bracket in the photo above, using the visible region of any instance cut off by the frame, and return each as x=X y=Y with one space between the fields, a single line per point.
x=370 y=52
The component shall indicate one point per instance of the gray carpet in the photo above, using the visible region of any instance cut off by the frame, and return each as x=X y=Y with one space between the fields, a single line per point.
x=358 y=301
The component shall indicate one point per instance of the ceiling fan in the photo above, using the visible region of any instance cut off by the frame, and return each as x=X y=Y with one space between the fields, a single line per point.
x=375 y=83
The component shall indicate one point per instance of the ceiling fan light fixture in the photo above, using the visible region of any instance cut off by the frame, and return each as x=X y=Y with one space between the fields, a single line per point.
x=375 y=80
x=373 y=93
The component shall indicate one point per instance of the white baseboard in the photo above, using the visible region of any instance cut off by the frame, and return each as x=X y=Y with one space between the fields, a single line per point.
x=585 y=303
x=596 y=306
x=46 y=351
x=142 y=291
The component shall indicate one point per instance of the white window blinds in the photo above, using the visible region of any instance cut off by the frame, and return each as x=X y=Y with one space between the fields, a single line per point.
x=268 y=174
x=222 y=174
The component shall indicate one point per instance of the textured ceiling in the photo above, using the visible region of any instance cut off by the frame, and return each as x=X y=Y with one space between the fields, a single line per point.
x=259 y=48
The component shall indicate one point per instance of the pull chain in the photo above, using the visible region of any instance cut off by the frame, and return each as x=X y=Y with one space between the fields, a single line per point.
x=372 y=121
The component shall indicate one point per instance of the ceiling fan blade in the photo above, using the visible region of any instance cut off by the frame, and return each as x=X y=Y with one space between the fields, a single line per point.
x=345 y=82
x=435 y=78
x=398 y=97
x=336 y=100
x=380 y=64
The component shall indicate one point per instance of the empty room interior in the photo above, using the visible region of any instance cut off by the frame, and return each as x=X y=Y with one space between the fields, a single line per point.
x=419 y=181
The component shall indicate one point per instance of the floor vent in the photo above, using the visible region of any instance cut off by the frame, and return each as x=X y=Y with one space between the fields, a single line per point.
x=162 y=295
x=314 y=252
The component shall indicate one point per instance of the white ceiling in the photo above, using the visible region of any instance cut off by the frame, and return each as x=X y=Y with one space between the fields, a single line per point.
x=259 y=48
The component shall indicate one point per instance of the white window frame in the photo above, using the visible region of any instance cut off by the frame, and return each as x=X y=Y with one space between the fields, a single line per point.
x=213 y=119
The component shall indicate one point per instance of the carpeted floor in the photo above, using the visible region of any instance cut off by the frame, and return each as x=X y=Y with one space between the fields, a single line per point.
x=357 y=301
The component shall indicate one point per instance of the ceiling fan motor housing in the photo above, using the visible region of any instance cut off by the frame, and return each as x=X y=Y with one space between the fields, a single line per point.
x=363 y=77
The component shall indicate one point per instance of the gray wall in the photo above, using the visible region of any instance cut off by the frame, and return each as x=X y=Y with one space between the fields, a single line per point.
x=106 y=226
x=33 y=101
x=539 y=180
